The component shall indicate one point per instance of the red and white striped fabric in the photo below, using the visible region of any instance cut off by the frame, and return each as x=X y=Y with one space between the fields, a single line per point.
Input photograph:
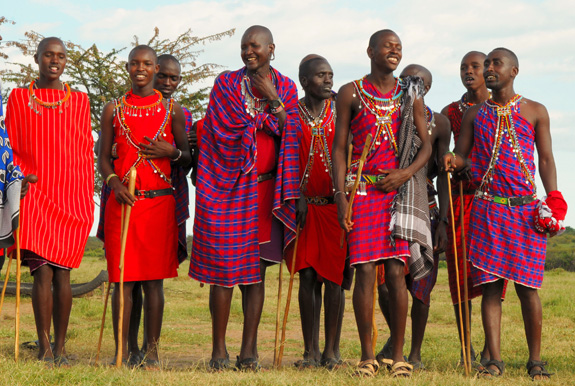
x=56 y=145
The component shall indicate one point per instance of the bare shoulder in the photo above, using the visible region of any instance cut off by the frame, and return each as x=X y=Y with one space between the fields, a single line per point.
x=531 y=106
x=346 y=91
x=472 y=111
x=442 y=122
x=445 y=111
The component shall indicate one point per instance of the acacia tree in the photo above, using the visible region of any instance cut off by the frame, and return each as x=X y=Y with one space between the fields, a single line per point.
x=103 y=77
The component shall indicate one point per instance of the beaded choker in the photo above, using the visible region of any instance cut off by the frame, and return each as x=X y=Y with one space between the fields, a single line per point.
x=382 y=109
x=319 y=144
x=463 y=104
x=34 y=102
x=136 y=111
x=505 y=126
x=253 y=104
x=126 y=130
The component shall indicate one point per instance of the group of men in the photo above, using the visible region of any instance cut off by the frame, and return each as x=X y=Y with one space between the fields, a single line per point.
x=333 y=181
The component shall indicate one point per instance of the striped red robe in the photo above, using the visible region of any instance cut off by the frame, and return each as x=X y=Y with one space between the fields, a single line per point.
x=226 y=249
x=56 y=145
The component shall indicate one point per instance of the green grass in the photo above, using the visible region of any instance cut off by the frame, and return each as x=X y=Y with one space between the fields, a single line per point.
x=186 y=339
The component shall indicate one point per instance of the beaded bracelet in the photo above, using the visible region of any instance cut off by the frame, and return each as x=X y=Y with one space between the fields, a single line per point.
x=178 y=157
x=110 y=177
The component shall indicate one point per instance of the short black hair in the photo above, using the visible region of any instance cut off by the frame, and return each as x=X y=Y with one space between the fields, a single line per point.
x=169 y=57
x=143 y=47
x=306 y=66
x=47 y=40
x=374 y=39
x=510 y=54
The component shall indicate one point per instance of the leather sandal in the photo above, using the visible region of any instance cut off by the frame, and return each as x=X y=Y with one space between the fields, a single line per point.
x=367 y=368
x=540 y=373
x=488 y=372
x=401 y=369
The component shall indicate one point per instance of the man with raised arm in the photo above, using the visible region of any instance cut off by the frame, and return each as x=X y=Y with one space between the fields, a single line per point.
x=439 y=133
x=246 y=187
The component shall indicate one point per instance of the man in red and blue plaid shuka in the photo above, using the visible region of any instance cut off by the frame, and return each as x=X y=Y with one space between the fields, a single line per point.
x=246 y=186
x=504 y=243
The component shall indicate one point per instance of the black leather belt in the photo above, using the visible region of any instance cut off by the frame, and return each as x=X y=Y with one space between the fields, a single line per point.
x=320 y=200
x=153 y=193
x=266 y=176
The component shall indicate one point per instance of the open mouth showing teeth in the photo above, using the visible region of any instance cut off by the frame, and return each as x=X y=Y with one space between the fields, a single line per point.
x=393 y=59
x=490 y=77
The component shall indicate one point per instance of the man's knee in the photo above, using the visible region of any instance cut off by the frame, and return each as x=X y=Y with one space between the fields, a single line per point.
x=493 y=289
x=526 y=293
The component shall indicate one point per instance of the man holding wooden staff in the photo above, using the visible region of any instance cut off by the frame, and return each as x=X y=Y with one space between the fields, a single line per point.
x=508 y=222
x=377 y=105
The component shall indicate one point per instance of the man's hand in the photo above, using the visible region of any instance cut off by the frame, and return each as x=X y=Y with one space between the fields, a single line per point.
x=393 y=180
x=158 y=149
x=192 y=137
x=301 y=211
x=448 y=162
x=440 y=239
x=29 y=179
x=121 y=192
x=342 y=203
x=264 y=85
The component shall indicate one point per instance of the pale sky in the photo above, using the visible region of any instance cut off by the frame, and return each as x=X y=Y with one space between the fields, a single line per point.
x=434 y=34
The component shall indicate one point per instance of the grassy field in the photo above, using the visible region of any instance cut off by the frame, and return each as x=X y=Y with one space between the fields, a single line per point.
x=186 y=340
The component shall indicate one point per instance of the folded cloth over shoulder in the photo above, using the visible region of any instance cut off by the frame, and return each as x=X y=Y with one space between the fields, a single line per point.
x=550 y=214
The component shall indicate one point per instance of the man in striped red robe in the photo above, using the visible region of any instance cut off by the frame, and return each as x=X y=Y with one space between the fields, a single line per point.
x=49 y=127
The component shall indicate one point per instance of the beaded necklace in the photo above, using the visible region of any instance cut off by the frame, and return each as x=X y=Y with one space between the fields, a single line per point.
x=34 y=102
x=382 y=109
x=253 y=104
x=126 y=131
x=429 y=119
x=463 y=104
x=505 y=125
x=319 y=144
x=136 y=111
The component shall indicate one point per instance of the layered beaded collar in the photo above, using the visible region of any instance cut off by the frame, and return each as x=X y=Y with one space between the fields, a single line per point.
x=505 y=126
x=35 y=103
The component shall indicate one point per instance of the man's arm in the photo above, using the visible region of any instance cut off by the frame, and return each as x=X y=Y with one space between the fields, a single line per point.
x=464 y=143
x=105 y=168
x=547 y=170
x=342 y=124
x=397 y=177
x=443 y=131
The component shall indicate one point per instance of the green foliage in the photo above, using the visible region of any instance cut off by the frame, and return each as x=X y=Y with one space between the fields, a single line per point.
x=103 y=77
x=561 y=251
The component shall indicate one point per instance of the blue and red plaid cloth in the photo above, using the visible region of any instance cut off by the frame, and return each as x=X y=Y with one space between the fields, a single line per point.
x=10 y=182
x=225 y=250
x=371 y=239
x=503 y=240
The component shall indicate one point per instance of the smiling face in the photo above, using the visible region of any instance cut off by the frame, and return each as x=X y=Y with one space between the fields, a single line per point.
x=386 y=51
x=471 y=70
x=499 y=69
x=168 y=77
x=319 y=80
x=142 y=67
x=257 y=49
x=51 y=58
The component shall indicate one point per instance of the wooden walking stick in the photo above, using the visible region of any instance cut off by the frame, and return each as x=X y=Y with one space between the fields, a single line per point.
x=131 y=189
x=465 y=289
x=278 y=310
x=373 y=322
x=107 y=296
x=288 y=300
x=457 y=275
x=356 y=183
x=5 y=279
x=18 y=277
